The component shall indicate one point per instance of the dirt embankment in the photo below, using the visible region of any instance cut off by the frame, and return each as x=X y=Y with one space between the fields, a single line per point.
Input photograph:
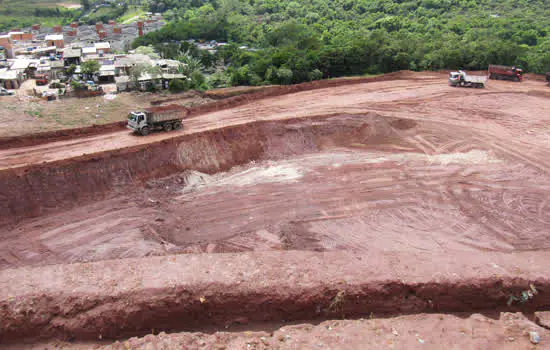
x=120 y=298
x=511 y=331
x=41 y=138
x=43 y=188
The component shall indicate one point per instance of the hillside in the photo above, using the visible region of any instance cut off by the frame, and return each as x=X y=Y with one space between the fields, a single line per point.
x=345 y=37
x=15 y=13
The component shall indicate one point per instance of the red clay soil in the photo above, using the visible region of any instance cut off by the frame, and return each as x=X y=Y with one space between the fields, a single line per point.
x=510 y=331
x=423 y=331
x=393 y=197
x=352 y=183
x=505 y=110
x=121 y=298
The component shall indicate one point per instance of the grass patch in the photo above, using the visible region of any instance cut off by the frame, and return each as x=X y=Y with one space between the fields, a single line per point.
x=16 y=13
x=35 y=113
x=128 y=17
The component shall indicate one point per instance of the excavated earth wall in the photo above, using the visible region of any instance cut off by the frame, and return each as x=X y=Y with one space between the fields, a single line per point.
x=120 y=298
x=38 y=189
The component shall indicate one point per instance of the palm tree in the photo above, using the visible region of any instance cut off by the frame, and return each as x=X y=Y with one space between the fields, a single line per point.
x=191 y=63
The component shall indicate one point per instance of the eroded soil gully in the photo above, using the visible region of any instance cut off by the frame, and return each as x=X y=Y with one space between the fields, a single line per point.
x=114 y=299
x=39 y=189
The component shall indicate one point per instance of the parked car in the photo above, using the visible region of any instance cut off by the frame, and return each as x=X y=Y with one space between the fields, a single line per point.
x=6 y=92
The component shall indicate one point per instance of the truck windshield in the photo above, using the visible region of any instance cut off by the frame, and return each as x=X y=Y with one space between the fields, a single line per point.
x=132 y=117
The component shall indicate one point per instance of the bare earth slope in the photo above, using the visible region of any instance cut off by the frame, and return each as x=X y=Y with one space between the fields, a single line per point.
x=407 y=173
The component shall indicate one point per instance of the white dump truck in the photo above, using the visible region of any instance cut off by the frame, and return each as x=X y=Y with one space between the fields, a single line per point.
x=462 y=79
x=165 y=118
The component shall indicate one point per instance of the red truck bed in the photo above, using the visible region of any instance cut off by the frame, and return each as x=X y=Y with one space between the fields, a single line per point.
x=505 y=72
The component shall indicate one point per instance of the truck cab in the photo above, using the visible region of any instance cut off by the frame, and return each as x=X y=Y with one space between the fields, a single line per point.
x=462 y=79
x=518 y=72
x=457 y=78
x=136 y=121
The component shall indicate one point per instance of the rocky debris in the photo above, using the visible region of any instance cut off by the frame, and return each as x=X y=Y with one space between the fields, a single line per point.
x=534 y=337
x=420 y=331
x=542 y=318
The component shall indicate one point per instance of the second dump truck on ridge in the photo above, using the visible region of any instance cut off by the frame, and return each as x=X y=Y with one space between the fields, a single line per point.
x=165 y=118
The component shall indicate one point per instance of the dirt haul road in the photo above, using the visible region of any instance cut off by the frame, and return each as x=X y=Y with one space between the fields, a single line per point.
x=498 y=109
x=409 y=173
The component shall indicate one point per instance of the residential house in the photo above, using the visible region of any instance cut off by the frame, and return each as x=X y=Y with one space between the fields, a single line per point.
x=10 y=79
x=87 y=51
x=124 y=64
x=55 y=40
x=72 y=55
x=24 y=67
x=107 y=72
x=125 y=83
x=44 y=51
x=20 y=36
x=168 y=66
x=103 y=47
x=7 y=43
x=57 y=69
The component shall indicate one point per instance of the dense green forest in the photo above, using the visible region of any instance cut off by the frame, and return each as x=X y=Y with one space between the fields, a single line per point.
x=299 y=41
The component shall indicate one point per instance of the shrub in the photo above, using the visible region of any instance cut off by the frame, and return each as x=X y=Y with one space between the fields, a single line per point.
x=315 y=75
x=197 y=79
x=284 y=76
x=177 y=85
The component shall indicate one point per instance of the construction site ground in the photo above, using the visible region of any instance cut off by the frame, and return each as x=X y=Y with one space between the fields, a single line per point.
x=24 y=114
x=316 y=218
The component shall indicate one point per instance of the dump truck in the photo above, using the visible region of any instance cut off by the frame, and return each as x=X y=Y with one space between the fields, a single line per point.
x=462 y=79
x=548 y=77
x=165 y=118
x=505 y=73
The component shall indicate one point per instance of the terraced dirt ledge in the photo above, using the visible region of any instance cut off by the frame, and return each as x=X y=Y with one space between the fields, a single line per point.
x=116 y=299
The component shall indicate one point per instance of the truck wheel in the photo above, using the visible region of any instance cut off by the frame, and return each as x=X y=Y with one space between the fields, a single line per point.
x=167 y=127
x=177 y=125
x=145 y=131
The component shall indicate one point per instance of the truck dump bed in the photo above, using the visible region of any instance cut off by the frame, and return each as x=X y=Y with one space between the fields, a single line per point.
x=165 y=113
x=495 y=68
x=476 y=78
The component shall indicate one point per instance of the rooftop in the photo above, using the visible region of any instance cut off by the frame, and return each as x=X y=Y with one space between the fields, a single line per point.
x=132 y=60
x=72 y=52
x=44 y=49
x=7 y=74
x=102 y=45
x=86 y=50
x=22 y=63
x=54 y=37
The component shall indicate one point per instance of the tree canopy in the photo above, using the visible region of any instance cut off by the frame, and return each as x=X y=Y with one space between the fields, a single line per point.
x=294 y=41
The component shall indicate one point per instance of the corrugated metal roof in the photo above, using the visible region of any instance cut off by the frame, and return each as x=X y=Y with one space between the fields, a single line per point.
x=72 y=53
x=21 y=63
x=102 y=45
x=132 y=60
x=8 y=74
x=54 y=37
